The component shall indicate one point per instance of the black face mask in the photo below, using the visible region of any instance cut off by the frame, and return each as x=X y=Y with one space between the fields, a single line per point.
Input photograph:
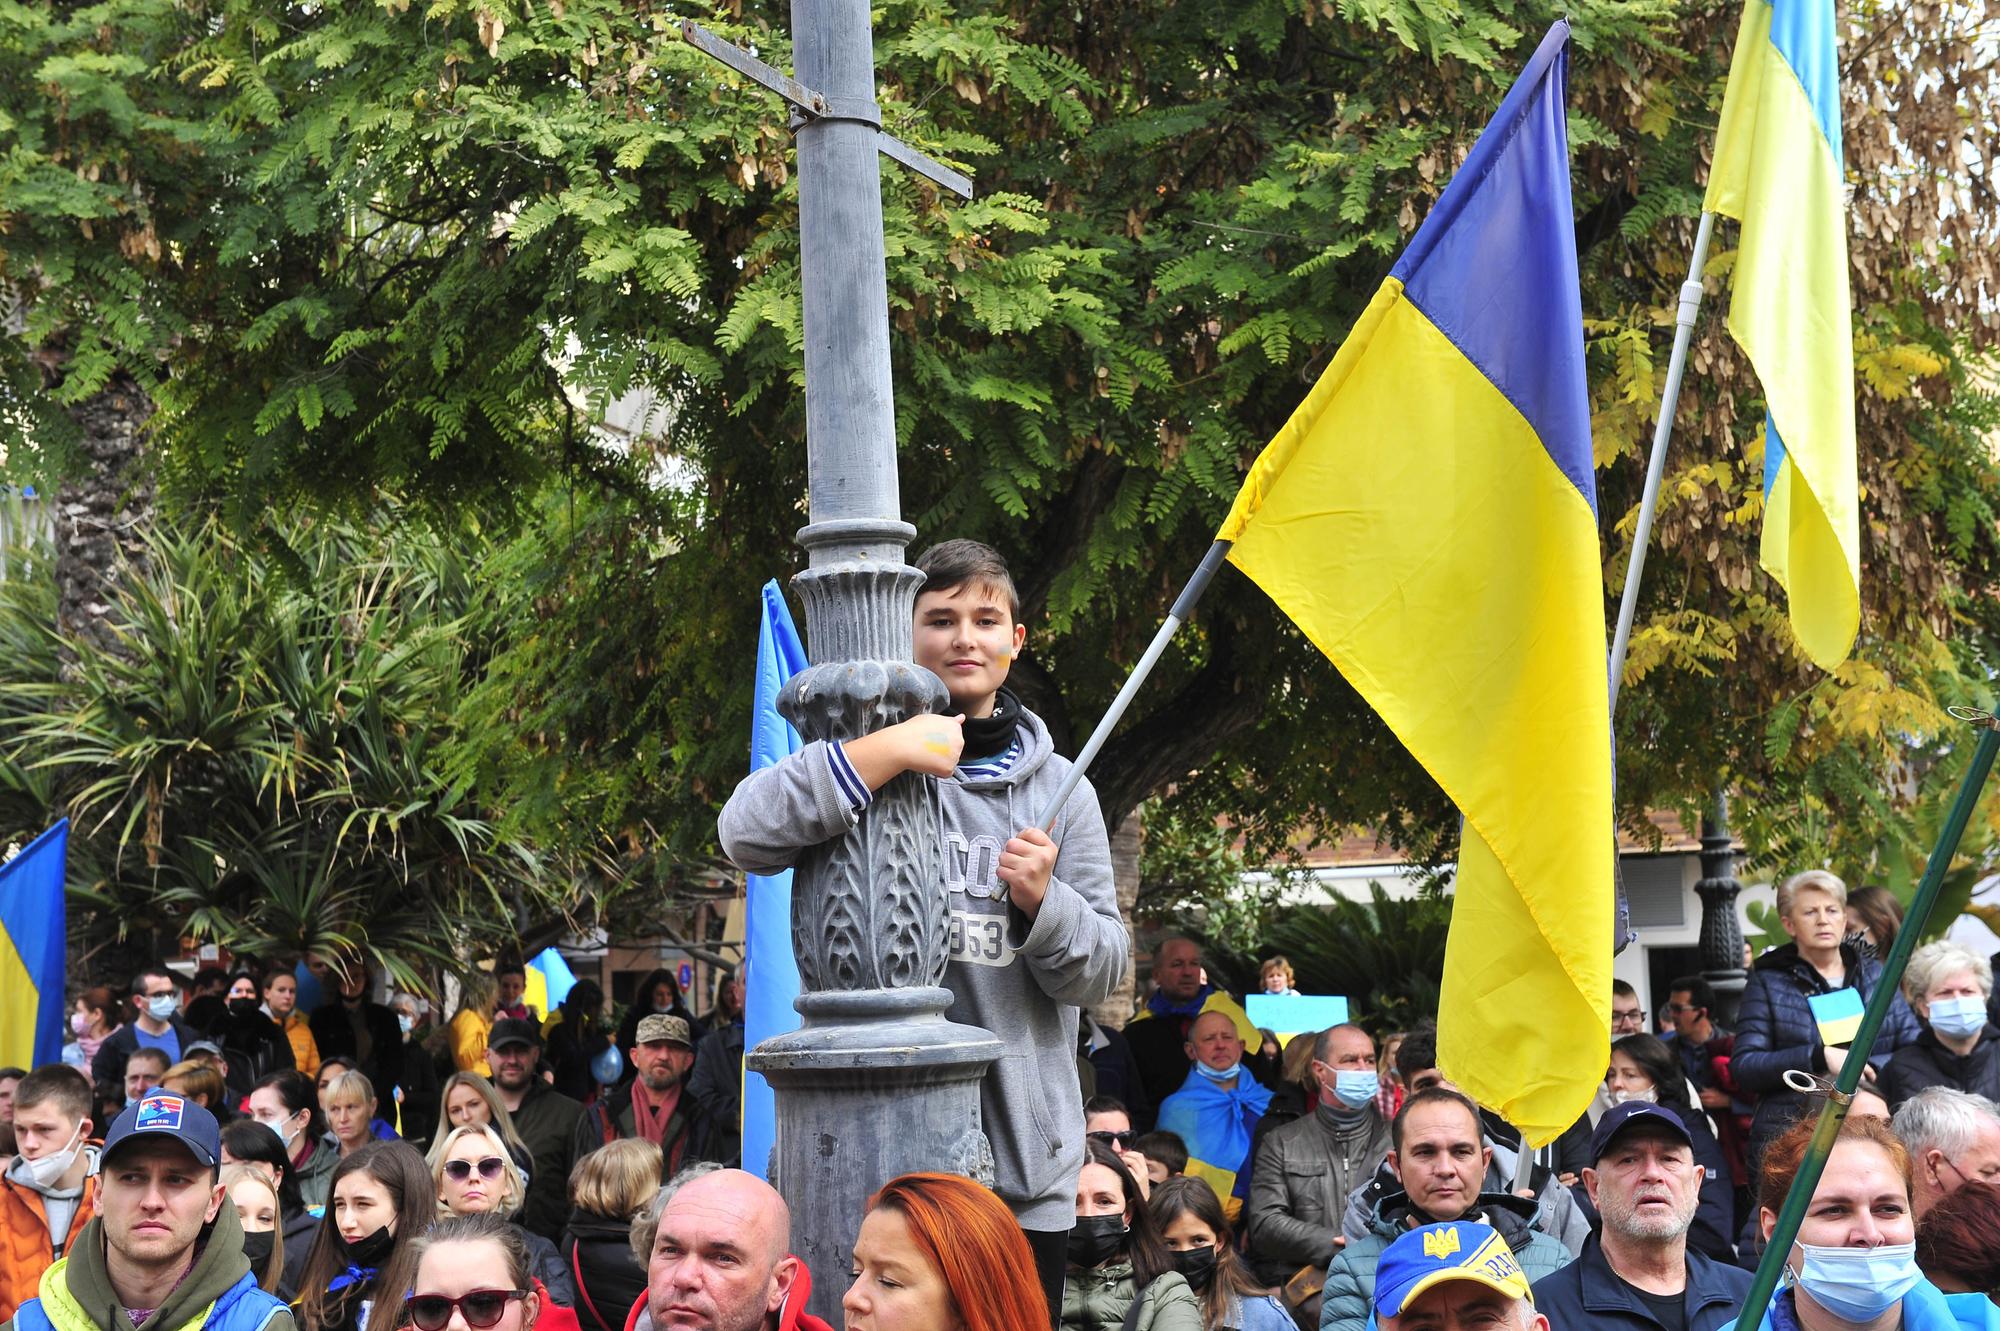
x=257 y=1247
x=243 y=1007
x=1198 y=1265
x=370 y=1249
x=1096 y=1239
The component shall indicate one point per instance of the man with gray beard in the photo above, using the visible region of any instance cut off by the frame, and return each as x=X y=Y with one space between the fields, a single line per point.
x=1639 y=1272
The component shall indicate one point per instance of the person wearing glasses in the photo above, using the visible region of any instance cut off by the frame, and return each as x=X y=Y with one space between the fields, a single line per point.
x=474 y=1274
x=474 y=1176
x=1107 y=1120
x=156 y=1024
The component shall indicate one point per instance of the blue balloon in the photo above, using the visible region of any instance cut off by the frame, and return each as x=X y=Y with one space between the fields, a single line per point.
x=608 y=1066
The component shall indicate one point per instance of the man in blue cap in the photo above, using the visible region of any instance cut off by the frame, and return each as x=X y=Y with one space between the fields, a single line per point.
x=1639 y=1274
x=165 y=1250
x=1457 y=1276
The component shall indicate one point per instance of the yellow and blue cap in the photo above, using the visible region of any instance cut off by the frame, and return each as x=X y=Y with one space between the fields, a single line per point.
x=1434 y=1254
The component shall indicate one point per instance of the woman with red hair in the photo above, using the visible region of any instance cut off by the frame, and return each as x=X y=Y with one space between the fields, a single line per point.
x=940 y=1253
x=1958 y=1241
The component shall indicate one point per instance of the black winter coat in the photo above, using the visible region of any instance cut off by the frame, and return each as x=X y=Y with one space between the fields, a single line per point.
x=254 y=1046
x=1928 y=1063
x=1776 y=1033
x=609 y=1279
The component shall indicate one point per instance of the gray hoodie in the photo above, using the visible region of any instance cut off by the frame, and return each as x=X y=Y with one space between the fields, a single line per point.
x=1022 y=981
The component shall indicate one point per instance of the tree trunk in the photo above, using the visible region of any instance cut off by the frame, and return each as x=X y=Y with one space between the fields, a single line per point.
x=1127 y=841
x=101 y=514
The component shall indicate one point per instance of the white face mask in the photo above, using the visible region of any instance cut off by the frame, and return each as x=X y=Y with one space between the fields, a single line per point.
x=44 y=1173
x=278 y=1126
x=1651 y=1096
x=163 y=1007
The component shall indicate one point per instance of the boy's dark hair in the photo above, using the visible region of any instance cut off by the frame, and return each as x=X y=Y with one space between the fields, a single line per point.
x=58 y=1083
x=508 y=967
x=166 y=973
x=1418 y=1051
x=1623 y=989
x=950 y=564
x=1104 y=1104
x=209 y=975
x=1700 y=993
x=1165 y=1147
x=152 y=1054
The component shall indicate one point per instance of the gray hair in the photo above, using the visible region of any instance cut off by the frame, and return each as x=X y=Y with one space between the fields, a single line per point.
x=1935 y=961
x=646 y=1224
x=1942 y=1119
x=1817 y=879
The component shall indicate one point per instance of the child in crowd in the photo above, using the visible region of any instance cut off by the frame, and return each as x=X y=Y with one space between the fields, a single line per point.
x=1035 y=932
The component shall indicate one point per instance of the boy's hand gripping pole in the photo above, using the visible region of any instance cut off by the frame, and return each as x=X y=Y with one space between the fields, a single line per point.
x=1183 y=608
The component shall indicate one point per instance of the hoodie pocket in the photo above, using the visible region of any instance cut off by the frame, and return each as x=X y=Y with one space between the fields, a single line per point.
x=1030 y=1154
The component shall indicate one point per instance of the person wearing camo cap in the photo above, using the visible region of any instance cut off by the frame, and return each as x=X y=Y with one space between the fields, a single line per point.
x=655 y=1104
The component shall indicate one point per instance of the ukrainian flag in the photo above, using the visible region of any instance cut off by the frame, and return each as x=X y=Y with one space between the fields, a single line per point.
x=1428 y=518
x=1778 y=170
x=32 y=1010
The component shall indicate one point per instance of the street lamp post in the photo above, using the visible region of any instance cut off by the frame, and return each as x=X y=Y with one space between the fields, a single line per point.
x=876 y=1082
x=1721 y=933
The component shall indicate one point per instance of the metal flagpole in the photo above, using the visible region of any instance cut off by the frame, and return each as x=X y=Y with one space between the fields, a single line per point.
x=1656 y=467
x=1831 y=1115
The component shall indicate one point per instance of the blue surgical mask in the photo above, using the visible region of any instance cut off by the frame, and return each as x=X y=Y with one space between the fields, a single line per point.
x=1958 y=1017
x=1355 y=1087
x=163 y=1007
x=406 y=1021
x=1858 y=1284
x=1227 y=1074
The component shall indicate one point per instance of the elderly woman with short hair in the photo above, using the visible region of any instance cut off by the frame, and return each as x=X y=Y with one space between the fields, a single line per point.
x=1948 y=986
x=1776 y=1031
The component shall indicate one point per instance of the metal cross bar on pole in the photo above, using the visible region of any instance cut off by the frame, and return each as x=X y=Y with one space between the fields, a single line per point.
x=1779 y=1249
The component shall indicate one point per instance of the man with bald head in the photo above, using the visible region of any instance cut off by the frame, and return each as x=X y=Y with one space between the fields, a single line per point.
x=1216 y=1109
x=1306 y=1168
x=1159 y=1033
x=721 y=1259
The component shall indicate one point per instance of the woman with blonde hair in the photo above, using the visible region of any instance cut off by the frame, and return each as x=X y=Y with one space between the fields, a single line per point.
x=473 y=1176
x=200 y=1083
x=472 y=1025
x=349 y=1101
x=607 y=1189
x=255 y=1198
x=1275 y=976
x=1776 y=1031
x=467 y=1100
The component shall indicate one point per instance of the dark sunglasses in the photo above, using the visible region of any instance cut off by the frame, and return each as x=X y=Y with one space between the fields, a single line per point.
x=482 y=1308
x=458 y=1171
x=1118 y=1139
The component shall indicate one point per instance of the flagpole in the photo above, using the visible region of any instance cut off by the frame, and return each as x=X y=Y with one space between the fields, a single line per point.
x=1779 y=1249
x=1656 y=467
x=1183 y=608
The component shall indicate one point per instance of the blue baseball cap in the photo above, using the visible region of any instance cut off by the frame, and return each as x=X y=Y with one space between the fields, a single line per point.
x=1620 y=1117
x=165 y=1114
x=1436 y=1254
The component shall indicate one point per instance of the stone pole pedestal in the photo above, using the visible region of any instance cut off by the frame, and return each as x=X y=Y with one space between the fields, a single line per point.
x=1721 y=932
x=876 y=1082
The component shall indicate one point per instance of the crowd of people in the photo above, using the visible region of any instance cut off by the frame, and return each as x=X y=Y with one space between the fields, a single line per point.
x=210 y=1155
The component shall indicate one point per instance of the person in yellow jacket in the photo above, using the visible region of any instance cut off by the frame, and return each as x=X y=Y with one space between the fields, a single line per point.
x=281 y=1004
x=472 y=1027
x=47 y=1194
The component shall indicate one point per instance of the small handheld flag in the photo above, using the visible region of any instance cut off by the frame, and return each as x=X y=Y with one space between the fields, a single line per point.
x=1777 y=169
x=1428 y=519
x=32 y=960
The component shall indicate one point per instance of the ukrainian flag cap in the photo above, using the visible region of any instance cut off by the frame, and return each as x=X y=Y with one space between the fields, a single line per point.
x=1434 y=1254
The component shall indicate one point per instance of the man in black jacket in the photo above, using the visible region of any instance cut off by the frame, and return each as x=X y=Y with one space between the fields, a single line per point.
x=656 y=1104
x=351 y=1025
x=156 y=993
x=545 y=1117
x=1639 y=1273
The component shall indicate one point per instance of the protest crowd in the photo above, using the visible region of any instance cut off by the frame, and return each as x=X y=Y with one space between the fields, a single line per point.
x=208 y=1154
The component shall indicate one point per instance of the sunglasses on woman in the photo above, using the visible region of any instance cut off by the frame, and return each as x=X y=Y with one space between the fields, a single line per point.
x=1121 y=1140
x=458 y=1171
x=482 y=1308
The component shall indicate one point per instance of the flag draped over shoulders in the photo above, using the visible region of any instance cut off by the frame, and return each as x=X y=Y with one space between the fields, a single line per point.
x=1215 y=1123
x=1778 y=170
x=1428 y=518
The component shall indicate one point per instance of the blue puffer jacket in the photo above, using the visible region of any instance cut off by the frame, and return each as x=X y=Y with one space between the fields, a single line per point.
x=1925 y=1308
x=1776 y=1033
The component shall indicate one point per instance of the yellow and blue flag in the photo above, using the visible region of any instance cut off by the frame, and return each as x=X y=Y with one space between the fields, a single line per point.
x=32 y=928
x=549 y=981
x=770 y=971
x=1428 y=519
x=1777 y=169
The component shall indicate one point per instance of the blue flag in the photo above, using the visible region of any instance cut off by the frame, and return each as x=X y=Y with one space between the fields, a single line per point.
x=32 y=962
x=770 y=971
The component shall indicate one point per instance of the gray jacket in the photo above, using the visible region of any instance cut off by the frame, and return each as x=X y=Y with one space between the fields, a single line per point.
x=1298 y=1192
x=1023 y=981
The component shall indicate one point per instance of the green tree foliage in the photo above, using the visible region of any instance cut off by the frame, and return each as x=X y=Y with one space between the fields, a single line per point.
x=258 y=757
x=346 y=248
